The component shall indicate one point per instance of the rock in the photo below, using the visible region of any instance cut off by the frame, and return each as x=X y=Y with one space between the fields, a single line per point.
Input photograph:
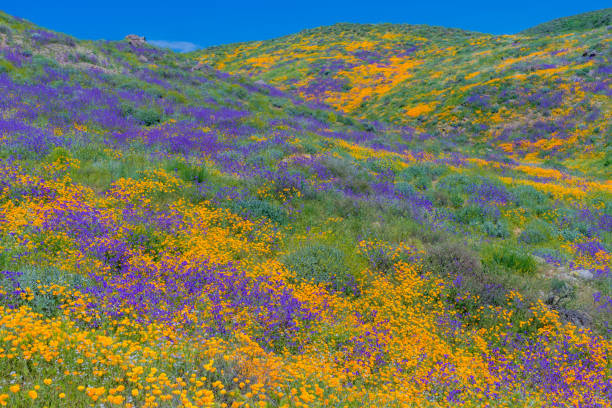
x=142 y=58
x=562 y=270
x=200 y=66
x=583 y=274
x=567 y=277
x=260 y=82
x=135 y=40
x=576 y=317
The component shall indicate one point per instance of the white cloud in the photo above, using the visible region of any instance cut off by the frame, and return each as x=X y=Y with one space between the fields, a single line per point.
x=180 y=46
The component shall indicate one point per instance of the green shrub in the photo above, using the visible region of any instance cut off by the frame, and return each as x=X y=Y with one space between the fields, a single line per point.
x=561 y=293
x=442 y=198
x=528 y=197
x=6 y=31
x=148 y=116
x=6 y=66
x=405 y=188
x=256 y=208
x=45 y=303
x=321 y=264
x=421 y=175
x=536 y=232
x=188 y=172
x=497 y=229
x=570 y=235
x=471 y=214
x=455 y=183
x=58 y=153
x=515 y=260
x=452 y=259
x=146 y=238
x=348 y=175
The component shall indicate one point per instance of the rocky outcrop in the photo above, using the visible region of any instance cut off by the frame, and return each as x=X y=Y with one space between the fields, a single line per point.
x=135 y=40
x=199 y=67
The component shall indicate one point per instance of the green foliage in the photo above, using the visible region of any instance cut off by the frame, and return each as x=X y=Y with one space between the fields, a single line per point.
x=256 y=208
x=496 y=229
x=188 y=172
x=6 y=30
x=58 y=154
x=321 y=264
x=536 y=232
x=515 y=260
x=148 y=116
x=147 y=239
x=575 y=23
x=450 y=258
x=442 y=198
x=470 y=214
x=348 y=175
x=405 y=188
x=35 y=280
x=530 y=198
x=6 y=66
x=421 y=175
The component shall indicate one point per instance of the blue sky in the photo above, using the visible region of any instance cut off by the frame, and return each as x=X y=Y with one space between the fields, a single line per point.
x=184 y=25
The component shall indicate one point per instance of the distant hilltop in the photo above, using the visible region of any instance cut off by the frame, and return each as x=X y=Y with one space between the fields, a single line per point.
x=578 y=22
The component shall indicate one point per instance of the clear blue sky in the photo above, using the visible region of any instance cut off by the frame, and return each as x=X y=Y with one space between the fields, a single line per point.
x=206 y=23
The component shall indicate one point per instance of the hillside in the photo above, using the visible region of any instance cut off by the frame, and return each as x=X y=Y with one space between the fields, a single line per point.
x=544 y=98
x=580 y=22
x=176 y=233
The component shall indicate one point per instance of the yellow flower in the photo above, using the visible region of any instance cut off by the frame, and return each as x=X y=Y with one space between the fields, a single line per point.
x=15 y=388
x=47 y=381
x=62 y=395
x=33 y=394
x=134 y=392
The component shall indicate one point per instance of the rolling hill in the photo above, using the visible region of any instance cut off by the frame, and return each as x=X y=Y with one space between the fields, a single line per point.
x=355 y=215
x=580 y=22
x=538 y=98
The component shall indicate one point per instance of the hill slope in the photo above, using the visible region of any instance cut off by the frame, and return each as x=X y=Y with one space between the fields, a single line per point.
x=580 y=22
x=173 y=235
x=538 y=98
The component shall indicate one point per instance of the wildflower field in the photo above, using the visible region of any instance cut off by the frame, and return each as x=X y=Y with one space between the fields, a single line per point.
x=352 y=216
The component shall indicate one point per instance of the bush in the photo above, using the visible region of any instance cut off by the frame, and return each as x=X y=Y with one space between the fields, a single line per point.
x=528 y=197
x=455 y=183
x=256 y=208
x=349 y=176
x=6 y=66
x=561 y=293
x=421 y=175
x=471 y=214
x=405 y=188
x=452 y=259
x=443 y=198
x=147 y=116
x=188 y=172
x=321 y=264
x=15 y=284
x=536 y=232
x=6 y=31
x=497 y=229
x=60 y=154
x=515 y=260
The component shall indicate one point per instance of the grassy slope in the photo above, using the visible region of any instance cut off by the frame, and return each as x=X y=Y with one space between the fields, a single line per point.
x=118 y=130
x=473 y=91
x=579 y=22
